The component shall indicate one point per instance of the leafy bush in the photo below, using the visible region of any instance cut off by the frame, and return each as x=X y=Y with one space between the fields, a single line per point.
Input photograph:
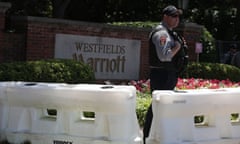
x=55 y=70
x=209 y=53
x=139 y=24
x=143 y=102
x=212 y=71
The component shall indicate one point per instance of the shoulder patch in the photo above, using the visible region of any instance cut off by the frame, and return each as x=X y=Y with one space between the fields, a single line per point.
x=163 y=40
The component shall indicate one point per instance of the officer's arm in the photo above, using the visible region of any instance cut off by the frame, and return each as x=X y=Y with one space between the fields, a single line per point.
x=176 y=48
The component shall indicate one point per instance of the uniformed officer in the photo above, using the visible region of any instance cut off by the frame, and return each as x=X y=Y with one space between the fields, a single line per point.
x=163 y=48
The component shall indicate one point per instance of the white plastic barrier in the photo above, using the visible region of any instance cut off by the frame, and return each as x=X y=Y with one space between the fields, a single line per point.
x=3 y=105
x=48 y=113
x=196 y=117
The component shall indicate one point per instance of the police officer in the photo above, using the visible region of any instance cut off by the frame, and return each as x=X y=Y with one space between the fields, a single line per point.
x=163 y=48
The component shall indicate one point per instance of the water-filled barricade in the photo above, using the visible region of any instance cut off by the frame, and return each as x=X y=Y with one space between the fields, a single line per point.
x=208 y=116
x=58 y=113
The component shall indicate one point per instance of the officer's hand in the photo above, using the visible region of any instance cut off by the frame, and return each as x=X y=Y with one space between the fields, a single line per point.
x=176 y=48
x=177 y=45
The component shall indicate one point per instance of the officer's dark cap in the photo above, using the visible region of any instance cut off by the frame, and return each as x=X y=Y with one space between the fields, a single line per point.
x=171 y=11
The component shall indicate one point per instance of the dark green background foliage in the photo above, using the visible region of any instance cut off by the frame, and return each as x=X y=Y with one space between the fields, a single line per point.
x=143 y=102
x=68 y=71
x=221 y=18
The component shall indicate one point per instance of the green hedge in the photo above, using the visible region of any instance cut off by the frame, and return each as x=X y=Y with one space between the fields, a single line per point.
x=54 y=70
x=142 y=106
x=212 y=71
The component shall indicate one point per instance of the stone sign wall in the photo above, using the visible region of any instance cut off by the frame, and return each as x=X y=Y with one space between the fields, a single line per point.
x=111 y=58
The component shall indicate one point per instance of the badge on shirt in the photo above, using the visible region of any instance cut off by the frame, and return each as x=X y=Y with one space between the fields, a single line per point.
x=163 y=40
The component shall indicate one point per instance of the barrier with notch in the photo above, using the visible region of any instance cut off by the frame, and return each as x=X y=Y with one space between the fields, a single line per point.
x=54 y=113
x=196 y=117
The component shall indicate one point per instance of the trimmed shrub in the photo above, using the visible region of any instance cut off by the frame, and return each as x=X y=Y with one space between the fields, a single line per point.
x=54 y=70
x=212 y=71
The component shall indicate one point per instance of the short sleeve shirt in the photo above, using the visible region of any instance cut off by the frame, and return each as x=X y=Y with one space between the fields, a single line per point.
x=163 y=42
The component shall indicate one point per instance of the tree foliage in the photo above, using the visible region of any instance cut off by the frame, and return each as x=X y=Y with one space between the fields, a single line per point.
x=221 y=18
x=30 y=7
